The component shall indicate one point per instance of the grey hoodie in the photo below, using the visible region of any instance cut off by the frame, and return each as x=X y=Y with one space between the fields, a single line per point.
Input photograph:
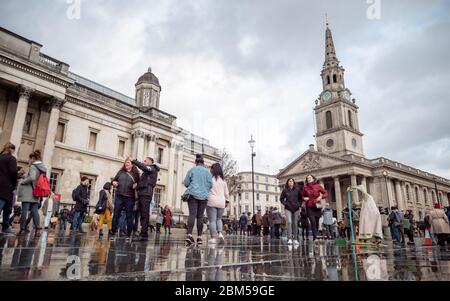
x=26 y=186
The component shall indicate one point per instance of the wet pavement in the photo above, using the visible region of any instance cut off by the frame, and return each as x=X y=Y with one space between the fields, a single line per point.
x=64 y=256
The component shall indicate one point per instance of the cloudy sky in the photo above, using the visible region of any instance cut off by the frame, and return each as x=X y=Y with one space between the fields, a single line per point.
x=230 y=68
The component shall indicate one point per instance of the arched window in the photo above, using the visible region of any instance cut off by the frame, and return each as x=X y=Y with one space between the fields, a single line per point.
x=433 y=196
x=408 y=194
x=416 y=190
x=328 y=80
x=329 y=120
x=425 y=196
x=350 y=120
x=334 y=78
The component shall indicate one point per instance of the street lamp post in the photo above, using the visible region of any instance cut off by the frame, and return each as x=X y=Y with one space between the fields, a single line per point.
x=385 y=174
x=436 y=190
x=253 y=154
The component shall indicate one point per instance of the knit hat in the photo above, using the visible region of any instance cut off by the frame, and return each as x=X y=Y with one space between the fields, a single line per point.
x=84 y=178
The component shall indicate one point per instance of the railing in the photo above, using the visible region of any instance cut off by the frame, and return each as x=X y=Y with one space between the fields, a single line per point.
x=53 y=63
x=161 y=115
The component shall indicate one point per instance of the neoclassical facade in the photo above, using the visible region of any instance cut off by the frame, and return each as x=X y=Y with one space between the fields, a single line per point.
x=267 y=194
x=84 y=128
x=338 y=161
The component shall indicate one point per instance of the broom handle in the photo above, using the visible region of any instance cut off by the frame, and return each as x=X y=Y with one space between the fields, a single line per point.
x=350 y=215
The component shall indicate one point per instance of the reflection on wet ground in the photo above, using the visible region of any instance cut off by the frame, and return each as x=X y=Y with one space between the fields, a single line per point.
x=58 y=256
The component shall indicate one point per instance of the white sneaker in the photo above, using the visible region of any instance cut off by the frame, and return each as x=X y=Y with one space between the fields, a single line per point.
x=290 y=241
x=212 y=241
x=296 y=243
x=221 y=238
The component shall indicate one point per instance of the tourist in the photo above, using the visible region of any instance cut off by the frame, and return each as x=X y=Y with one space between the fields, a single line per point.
x=159 y=219
x=370 y=227
x=291 y=199
x=394 y=224
x=81 y=198
x=313 y=194
x=328 y=221
x=31 y=203
x=259 y=222
x=265 y=223
x=439 y=224
x=63 y=218
x=198 y=182
x=147 y=183
x=125 y=181
x=249 y=224
x=217 y=202
x=104 y=208
x=8 y=176
x=272 y=228
x=304 y=223
x=276 y=218
x=408 y=226
x=243 y=223
x=167 y=219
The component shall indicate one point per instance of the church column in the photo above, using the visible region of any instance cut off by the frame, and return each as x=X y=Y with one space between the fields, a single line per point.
x=337 y=192
x=56 y=105
x=399 y=196
x=179 y=183
x=170 y=176
x=355 y=197
x=19 y=118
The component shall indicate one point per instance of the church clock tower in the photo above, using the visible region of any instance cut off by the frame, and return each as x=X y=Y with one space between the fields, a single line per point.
x=337 y=127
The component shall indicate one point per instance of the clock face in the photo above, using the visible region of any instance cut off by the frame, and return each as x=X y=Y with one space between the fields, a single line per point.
x=327 y=96
x=346 y=95
x=330 y=143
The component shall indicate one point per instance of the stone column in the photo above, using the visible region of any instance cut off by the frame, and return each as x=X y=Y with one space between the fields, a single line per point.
x=138 y=145
x=180 y=176
x=364 y=183
x=337 y=192
x=19 y=118
x=170 y=175
x=152 y=146
x=355 y=197
x=399 y=196
x=49 y=147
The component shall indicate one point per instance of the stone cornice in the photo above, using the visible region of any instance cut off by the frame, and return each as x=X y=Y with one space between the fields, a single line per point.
x=340 y=128
x=35 y=71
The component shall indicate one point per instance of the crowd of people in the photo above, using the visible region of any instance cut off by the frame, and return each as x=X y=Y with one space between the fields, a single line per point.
x=126 y=205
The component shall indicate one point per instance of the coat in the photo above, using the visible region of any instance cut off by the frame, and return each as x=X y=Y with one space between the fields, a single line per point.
x=8 y=174
x=26 y=186
x=126 y=182
x=259 y=219
x=198 y=182
x=291 y=199
x=218 y=195
x=167 y=217
x=313 y=191
x=148 y=179
x=80 y=197
x=439 y=222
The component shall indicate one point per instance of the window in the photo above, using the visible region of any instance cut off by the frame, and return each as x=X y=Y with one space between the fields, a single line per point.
x=157 y=197
x=121 y=148
x=416 y=191
x=267 y=179
x=246 y=195
x=334 y=78
x=440 y=197
x=328 y=80
x=257 y=178
x=267 y=187
x=60 y=132
x=267 y=197
x=160 y=155
x=425 y=196
x=27 y=125
x=420 y=215
x=91 y=185
x=433 y=196
x=408 y=195
x=93 y=141
x=329 y=120
x=246 y=208
x=54 y=177
x=350 y=120
x=257 y=186
x=257 y=196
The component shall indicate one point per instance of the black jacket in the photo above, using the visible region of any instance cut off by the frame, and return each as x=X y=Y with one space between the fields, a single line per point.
x=8 y=176
x=80 y=197
x=126 y=182
x=102 y=202
x=291 y=198
x=148 y=179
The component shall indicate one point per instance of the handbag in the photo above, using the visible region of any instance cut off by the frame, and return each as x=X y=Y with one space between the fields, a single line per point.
x=136 y=195
x=185 y=197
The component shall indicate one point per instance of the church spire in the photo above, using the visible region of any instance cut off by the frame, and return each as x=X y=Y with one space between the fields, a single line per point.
x=330 y=52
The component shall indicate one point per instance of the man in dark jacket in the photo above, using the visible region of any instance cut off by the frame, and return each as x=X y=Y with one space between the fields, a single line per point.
x=147 y=183
x=81 y=199
x=8 y=177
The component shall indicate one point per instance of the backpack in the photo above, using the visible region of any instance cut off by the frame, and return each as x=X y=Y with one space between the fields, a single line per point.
x=42 y=189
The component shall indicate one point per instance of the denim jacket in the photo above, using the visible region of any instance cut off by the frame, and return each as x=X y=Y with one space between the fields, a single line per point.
x=198 y=182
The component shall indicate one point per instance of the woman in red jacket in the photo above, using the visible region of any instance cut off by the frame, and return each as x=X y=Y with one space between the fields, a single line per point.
x=167 y=217
x=313 y=193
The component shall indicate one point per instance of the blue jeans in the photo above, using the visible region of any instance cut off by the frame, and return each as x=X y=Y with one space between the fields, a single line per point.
x=329 y=231
x=215 y=219
x=127 y=203
x=63 y=224
x=2 y=204
x=26 y=208
x=395 y=232
x=77 y=220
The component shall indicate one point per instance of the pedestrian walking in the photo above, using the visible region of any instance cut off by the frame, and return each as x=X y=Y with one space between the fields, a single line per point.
x=394 y=224
x=63 y=218
x=198 y=183
x=81 y=198
x=439 y=224
x=8 y=175
x=266 y=224
x=243 y=223
x=167 y=219
x=276 y=218
x=218 y=199
x=327 y=214
x=159 y=219
x=104 y=208
x=259 y=222
x=313 y=194
x=408 y=226
x=291 y=197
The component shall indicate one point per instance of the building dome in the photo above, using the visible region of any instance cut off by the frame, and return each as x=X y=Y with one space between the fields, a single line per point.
x=148 y=78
